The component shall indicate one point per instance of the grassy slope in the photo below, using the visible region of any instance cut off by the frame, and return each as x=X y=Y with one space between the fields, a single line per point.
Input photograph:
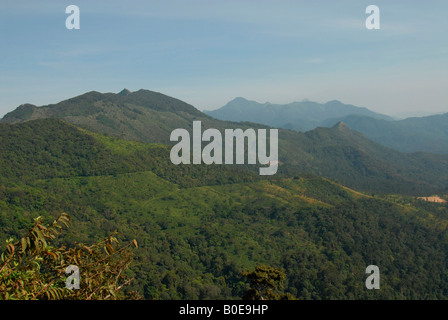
x=197 y=232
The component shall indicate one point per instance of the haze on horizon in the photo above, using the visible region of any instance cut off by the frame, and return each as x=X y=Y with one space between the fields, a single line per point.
x=209 y=52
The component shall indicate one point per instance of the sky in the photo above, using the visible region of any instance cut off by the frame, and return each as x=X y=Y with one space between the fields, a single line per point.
x=207 y=52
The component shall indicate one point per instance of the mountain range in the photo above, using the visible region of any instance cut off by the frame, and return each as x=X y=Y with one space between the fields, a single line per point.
x=299 y=116
x=337 y=153
x=427 y=134
x=339 y=203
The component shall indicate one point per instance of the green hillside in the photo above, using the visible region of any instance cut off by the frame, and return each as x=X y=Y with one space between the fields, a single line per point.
x=52 y=148
x=348 y=157
x=199 y=226
x=339 y=154
x=141 y=115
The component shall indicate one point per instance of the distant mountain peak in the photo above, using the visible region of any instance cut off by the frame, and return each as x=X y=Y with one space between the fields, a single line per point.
x=109 y=112
x=24 y=112
x=334 y=102
x=26 y=106
x=239 y=100
x=341 y=126
x=124 y=92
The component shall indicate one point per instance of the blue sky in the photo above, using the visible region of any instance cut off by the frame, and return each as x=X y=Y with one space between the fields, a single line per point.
x=209 y=52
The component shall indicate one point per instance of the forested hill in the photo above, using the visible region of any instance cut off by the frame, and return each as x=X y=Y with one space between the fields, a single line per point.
x=52 y=148
x=198 y=227
x=141 y=115
x=336 y=153
x=347 y=156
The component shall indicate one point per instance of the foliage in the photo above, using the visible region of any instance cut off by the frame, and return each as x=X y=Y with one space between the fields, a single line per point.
x=200 y=226
x=265 y=281
x=32 y=269
x=52 y=148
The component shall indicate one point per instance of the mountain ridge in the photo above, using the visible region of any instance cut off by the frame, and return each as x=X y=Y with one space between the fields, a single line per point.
x=300 y=116
x=427 y=134
x=339 y=153
x=414 y=134
x=142 y=115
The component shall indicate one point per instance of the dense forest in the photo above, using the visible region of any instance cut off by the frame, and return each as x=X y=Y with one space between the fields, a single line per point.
x=200 y=228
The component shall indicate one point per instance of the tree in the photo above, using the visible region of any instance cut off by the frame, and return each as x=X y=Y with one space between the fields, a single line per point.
x=32 y=269
x=265 y=281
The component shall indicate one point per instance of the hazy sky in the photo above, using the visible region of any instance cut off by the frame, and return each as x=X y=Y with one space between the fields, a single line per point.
x=209 y=52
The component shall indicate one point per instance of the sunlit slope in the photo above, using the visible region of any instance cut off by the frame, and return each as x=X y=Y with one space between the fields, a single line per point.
x=198 y=227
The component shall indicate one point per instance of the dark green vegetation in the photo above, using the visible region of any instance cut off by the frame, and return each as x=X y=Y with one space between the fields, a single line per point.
x=336 y=153
x=265 y=282
x=348 y=157
x=427 y=134
x=51 y=148
x=199 y=227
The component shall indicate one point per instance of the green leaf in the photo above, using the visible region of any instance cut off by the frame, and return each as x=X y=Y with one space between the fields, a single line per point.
x=24 y=245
